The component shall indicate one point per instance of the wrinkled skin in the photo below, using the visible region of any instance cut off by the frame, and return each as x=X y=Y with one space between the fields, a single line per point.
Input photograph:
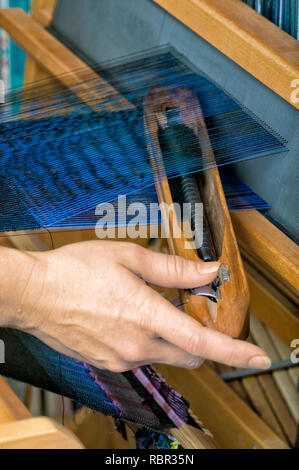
x=89 y=301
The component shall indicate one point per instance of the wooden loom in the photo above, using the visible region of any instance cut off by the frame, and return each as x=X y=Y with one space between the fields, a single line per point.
x=271 y=259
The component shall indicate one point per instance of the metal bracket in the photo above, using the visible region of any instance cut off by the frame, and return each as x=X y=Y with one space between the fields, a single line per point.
x=212 y=291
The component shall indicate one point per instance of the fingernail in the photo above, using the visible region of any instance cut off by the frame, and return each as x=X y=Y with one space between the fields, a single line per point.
x=260 y=362
x=209 y=267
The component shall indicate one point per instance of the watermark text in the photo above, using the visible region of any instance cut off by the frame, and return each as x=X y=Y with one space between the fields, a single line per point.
x=139 y=220
x=295 y=93
x=295 y=354
x=2 y=92
x=2 y=352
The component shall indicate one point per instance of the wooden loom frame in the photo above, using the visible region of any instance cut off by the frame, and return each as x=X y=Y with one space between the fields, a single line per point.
x=19 y=430
x=274 y=255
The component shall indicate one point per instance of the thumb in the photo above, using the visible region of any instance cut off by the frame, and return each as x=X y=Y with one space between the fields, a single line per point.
x=168 y=270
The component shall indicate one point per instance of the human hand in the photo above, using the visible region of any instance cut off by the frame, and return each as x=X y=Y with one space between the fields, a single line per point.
x=88 y=301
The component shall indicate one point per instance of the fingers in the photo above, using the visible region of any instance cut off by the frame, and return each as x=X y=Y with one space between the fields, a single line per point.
x=140 y=347
x=176 y=327
x=166 y=353
x=218 y=347
x=213 y=345
x=168 y=270
x=133 y=354
x=147 y=350
x=126 y=366
x=182 y=331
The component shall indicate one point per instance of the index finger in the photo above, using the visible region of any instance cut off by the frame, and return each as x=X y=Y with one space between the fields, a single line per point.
x=185 y=332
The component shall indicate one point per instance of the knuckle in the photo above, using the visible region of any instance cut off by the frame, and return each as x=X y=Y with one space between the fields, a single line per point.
x=126 y=252
x=145 y=312
x=230 y=358
x=197 y=345
x=137 y=251
x=97 y=358
x=175 y=266
x=193 y=363
x=133 y=352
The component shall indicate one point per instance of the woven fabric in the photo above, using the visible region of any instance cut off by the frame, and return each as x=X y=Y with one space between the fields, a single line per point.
x=138 y=396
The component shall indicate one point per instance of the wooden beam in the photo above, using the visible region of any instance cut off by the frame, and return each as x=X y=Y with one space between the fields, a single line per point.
x=37 y=433
x=39 y=4
x=233 y=424
x=247 y=38
x=42 y=11
x=271 y=307
x=281 y=377
x=259 y=237
x=44 y=16
x=279 y=407
x=58 y=60
x=97 y=431
x=11 y=407
x=261 y=404
x=263 y=396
